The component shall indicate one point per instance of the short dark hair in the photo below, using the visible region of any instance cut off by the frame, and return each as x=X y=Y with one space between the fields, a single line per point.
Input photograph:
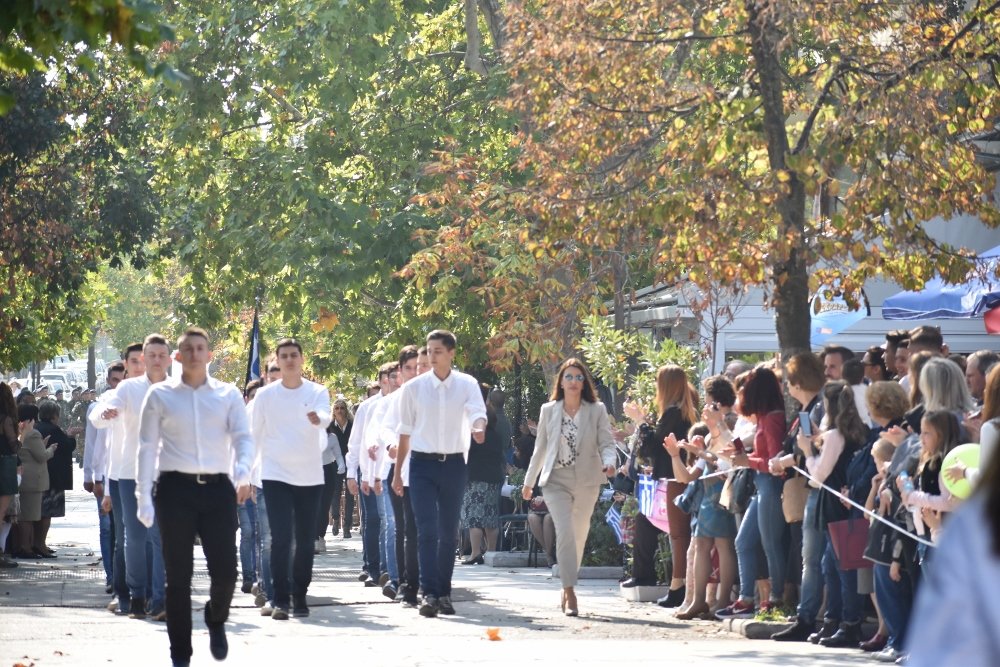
x=408 y=352
x=48 y=410
x=27 y=411
x=387 y=368
x=252 y=385
x=853 y=372
x=720 y=389
x=844 y=352
x=927 y=337
x=446 y=338
x=287 y=342
x=116 y=367
x=155 y=339
x=132 y=347
x=896 y=336
x=193 y=331
x=422 y=350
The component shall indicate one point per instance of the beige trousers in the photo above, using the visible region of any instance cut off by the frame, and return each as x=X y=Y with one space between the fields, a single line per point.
x=571 y=505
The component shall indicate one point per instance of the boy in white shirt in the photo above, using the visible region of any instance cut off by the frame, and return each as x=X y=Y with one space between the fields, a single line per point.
x=289 y=429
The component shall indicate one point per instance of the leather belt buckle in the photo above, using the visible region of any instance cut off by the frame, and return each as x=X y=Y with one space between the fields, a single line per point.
x=199 y=480
x=442 y=458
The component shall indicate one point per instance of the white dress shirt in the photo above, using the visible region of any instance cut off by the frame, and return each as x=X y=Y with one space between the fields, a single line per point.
x=356 y=443
x=95 y=450
x=127 y=399
x=438 y=415
x=193 y=430
x=290 y=447
x=389 y=436
x=371 y=470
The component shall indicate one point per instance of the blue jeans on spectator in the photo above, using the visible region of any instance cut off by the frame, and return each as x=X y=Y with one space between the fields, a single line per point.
x=118 y=569
x=387 y=536
x=247 y=513
x=264 y=546
x=437 y=489
x=813 y=545
x=843 y=603
x=291 y=511
x=371 y=529
x=763 y=524
x=145 y=576
x=895 y=600
x=107 y=548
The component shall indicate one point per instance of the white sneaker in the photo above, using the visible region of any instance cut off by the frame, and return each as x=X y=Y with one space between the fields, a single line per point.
x=113 y=606
x=266 y=609
x=888 y=654
x=320 y=547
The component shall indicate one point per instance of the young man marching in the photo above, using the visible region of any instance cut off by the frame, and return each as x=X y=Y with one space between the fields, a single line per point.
x=289 y=429
x=193 y=434
x=437 y=413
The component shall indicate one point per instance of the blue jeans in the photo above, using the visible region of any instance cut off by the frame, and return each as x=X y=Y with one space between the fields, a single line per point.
x=264 y=546
x=437 y=489
x=107 y=549
x=387 y=536
x=813 y=545
x=247 y=513
x=118 y=569
x=371 y=529
x=895 y=600
x=148 y=584
x=843 y=602
x=291 y=511
x=763 y=524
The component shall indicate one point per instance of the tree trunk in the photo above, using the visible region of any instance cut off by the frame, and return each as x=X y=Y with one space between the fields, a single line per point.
x=473 y=39
x=790 y=277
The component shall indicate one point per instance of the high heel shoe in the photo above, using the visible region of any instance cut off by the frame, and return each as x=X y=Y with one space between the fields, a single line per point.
x=475 y=560
x=571 y=608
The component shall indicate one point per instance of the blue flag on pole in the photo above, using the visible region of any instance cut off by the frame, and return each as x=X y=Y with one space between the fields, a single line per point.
x=614 y=519
x=253 y=363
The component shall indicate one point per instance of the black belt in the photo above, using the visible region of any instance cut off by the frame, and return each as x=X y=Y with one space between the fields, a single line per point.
x=199 y=478
x=427 y=456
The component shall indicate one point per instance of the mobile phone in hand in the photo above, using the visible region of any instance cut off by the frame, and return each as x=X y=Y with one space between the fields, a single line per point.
x=805 y=425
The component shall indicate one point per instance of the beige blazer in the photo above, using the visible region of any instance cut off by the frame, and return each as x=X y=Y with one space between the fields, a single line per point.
x=595 y=450
x=34 y=457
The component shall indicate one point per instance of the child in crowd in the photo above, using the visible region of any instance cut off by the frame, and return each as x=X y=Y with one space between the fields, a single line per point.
x=939 y=434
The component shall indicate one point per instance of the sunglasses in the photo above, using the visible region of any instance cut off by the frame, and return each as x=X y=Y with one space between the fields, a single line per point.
x=578 y=377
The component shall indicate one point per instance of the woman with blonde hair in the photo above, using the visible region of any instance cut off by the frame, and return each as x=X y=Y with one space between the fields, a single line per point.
x=574 y=454
x=675 y=400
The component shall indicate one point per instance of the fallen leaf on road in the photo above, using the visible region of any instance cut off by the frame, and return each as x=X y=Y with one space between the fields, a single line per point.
x=493 y=634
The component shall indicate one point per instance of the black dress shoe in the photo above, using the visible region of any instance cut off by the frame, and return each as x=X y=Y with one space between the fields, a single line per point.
x=300 y=609
x=26 y=555
x=478 y=560
x=848 y=636
x=217 y=642
x=828 y=630
x=41 y=553
x=445 y=606
x=797 y=633
x=429 y=608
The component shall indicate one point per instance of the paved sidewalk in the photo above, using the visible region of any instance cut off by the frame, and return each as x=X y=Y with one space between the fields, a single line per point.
x=53 y=613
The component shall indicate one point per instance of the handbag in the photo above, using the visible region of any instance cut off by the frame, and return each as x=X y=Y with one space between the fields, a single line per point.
x=738 y=491
x=690 y=500
x=657 y=512
x=880 y=541
x=793 y=498
x=850 y=539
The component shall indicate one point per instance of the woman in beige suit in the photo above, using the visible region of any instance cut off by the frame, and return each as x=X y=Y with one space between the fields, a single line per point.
x=574 y=453
x=35 y=454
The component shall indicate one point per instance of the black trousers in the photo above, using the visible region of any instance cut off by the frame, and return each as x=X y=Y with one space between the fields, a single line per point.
x=326 y=499
x=185 y=509
x=291 y=509
x=644 y=546
x=409 y=531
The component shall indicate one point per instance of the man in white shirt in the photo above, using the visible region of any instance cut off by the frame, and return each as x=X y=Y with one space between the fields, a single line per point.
x=193 y=432
x=357 y=456
x=95 y=464
x=438 y=412
x=289 y=429
x=124 y=406
x=112 y=503
x=372 y=471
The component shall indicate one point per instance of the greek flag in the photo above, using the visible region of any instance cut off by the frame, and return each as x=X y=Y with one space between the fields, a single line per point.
x=614 y=519
x=253 y=363
x=645 y=491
